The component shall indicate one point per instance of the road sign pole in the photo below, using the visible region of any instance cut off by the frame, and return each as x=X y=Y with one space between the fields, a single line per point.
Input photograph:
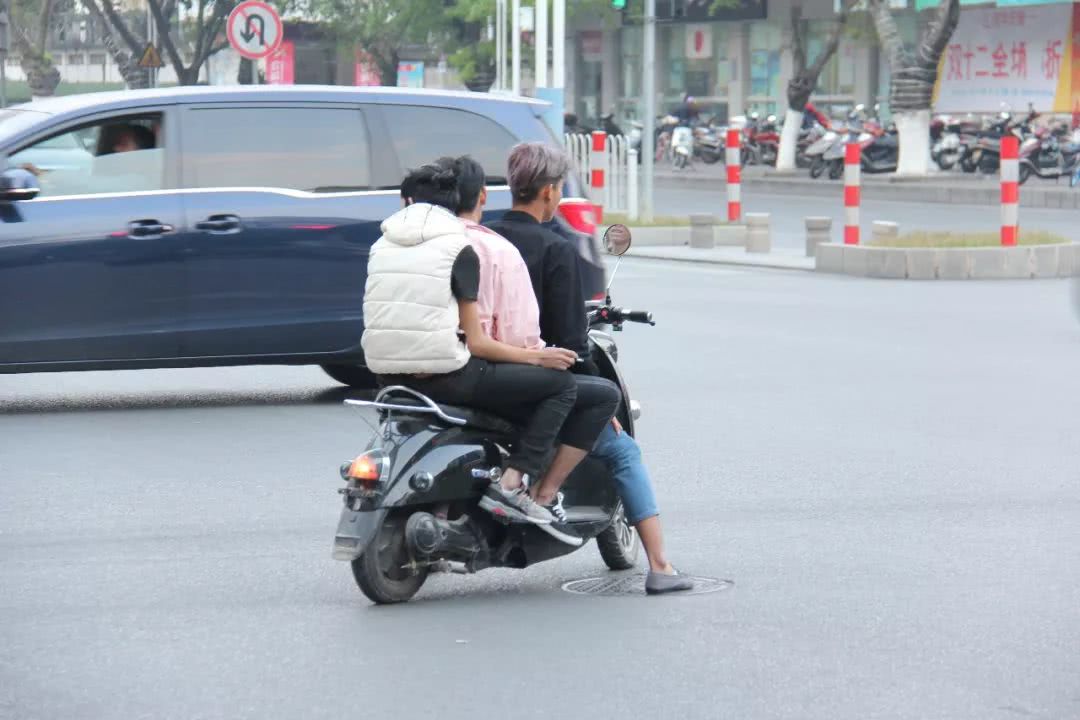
x=541 y=41
x=648 y=122
x=515 y=46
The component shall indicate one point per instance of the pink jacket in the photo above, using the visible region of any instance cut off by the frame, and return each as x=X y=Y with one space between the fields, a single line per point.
x=507 y=304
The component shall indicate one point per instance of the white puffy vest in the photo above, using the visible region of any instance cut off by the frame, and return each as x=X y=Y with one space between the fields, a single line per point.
x=411 y=317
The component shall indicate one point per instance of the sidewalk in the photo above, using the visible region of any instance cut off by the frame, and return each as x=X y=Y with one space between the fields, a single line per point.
x=780 y=259
x=951 y=187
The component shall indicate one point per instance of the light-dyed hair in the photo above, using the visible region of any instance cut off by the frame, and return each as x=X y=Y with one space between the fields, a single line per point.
x=533 y=165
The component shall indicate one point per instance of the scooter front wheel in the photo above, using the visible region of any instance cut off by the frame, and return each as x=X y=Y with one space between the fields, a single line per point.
x=817 y=167
x=836 y=169
x=382 y=571
x=619 y=544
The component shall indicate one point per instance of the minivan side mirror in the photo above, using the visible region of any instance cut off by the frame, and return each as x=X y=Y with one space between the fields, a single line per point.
x=18 y=184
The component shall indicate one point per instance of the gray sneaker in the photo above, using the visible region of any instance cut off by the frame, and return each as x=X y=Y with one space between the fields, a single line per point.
x=515 y=505
x=659 y=583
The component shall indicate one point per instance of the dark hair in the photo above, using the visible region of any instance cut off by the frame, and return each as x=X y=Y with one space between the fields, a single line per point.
x=470 y=181
x=434 y=183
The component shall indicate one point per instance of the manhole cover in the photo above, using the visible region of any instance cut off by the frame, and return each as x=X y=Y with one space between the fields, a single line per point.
x=635 y=585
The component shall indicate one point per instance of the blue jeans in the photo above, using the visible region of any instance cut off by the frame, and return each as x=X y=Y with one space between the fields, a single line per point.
x=621 y=454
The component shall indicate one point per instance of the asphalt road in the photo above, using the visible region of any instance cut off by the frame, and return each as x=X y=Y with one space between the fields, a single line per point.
x=788 y=212
x=887 y=471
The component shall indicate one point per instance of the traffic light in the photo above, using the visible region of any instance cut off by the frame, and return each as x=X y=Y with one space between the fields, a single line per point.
x=618 y=4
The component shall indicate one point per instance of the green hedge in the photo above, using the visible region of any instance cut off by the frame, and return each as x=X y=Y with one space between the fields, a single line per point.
x=19 y=92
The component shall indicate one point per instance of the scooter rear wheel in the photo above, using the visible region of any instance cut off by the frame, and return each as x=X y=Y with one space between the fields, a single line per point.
x=619 y=544
x=379 y=571
x=817 y=167
x=836 y=169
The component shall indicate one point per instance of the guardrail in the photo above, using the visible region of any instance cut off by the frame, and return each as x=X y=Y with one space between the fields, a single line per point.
x=619 y=169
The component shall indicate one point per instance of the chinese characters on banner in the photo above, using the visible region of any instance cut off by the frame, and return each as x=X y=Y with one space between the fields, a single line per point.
x=1013 y=55
x=280 y=65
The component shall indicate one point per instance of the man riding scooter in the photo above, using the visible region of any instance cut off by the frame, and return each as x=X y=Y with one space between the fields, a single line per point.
x=552 y=264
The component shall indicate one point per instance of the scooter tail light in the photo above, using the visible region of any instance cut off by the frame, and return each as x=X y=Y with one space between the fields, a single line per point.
x=366 y=469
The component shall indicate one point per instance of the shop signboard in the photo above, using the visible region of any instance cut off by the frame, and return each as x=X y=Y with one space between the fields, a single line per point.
x=695 y=11
x=699 y=42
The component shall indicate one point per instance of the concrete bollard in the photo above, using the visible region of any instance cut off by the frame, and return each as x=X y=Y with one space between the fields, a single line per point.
x=884 y=232
x=818 y=230
x=702 y=231
x=758 y=237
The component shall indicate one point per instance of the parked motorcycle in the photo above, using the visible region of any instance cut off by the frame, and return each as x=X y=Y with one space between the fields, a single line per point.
x=880 y=149
x=761 y=141
x=682 y=146
x=708 y=144
x=1045 y=154
x=411 y=499
x=947 y=148
x=815 y=152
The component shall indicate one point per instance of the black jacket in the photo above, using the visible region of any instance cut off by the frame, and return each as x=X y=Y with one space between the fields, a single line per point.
x=553 y=267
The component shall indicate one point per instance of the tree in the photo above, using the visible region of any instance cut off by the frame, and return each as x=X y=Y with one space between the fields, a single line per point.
x=805 y=79
x=31 y=21
x=127 y=60
x=204 y=27
x=382 y=28
x=912 y=78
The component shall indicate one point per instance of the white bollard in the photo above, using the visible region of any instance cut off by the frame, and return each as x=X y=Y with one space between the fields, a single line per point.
x=818 y=230
x=758 y=237
x=883 y=232
x=631 y=184
x=702 y=231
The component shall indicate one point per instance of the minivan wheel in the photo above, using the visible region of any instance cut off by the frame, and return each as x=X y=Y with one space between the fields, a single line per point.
x=355 y=376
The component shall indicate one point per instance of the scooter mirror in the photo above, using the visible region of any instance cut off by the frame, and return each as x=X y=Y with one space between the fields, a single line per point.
x=617 y=240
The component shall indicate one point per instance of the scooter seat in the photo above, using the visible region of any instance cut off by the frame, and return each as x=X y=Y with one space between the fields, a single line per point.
x=472 y=417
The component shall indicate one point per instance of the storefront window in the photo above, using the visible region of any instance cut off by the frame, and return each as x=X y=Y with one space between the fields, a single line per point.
x=838 y=75
x=765 y=43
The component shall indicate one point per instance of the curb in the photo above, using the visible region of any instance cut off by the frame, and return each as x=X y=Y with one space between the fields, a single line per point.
x=645 y=254
x=976 y=263
x=969 y=192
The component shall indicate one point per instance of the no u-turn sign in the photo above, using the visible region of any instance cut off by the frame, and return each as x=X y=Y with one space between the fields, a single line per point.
x=254 y=29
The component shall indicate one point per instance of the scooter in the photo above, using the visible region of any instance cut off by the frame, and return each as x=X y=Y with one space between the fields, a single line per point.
x=815 y=152
x=411 y=499
x=682 y=146
x=1045 y=155
x=879 y=149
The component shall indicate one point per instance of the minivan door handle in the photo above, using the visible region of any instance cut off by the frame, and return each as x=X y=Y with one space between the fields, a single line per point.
x=144 y=229
x=219 y=224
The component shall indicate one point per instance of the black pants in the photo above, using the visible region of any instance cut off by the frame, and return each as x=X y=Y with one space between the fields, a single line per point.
x=547 y=404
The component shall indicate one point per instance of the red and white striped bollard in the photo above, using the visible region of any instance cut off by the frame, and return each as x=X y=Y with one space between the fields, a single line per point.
x=1010 y=189
x=597 y=162
x=733 y=159
x=852 y=178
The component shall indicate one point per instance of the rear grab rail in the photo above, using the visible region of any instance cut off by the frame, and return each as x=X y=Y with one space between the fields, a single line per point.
x=429 y=406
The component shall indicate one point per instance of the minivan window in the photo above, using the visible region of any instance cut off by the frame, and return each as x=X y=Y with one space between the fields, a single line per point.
x=422 y=134
x=297 y=148
x=118 y=155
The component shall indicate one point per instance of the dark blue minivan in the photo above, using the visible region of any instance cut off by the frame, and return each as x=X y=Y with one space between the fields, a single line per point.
x=225 y=226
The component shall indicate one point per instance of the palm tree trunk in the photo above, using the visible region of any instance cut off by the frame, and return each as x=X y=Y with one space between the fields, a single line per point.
x=912 y=79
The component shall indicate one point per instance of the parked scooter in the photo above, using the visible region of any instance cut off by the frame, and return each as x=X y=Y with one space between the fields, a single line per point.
x=1045 y=154
x=682 y=146
x=815 y=152
x=761 y=140
x=411 y=499
x=708 y=144
x=880 y=149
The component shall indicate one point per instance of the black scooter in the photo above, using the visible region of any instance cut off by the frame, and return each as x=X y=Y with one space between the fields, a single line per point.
x=411 y=499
